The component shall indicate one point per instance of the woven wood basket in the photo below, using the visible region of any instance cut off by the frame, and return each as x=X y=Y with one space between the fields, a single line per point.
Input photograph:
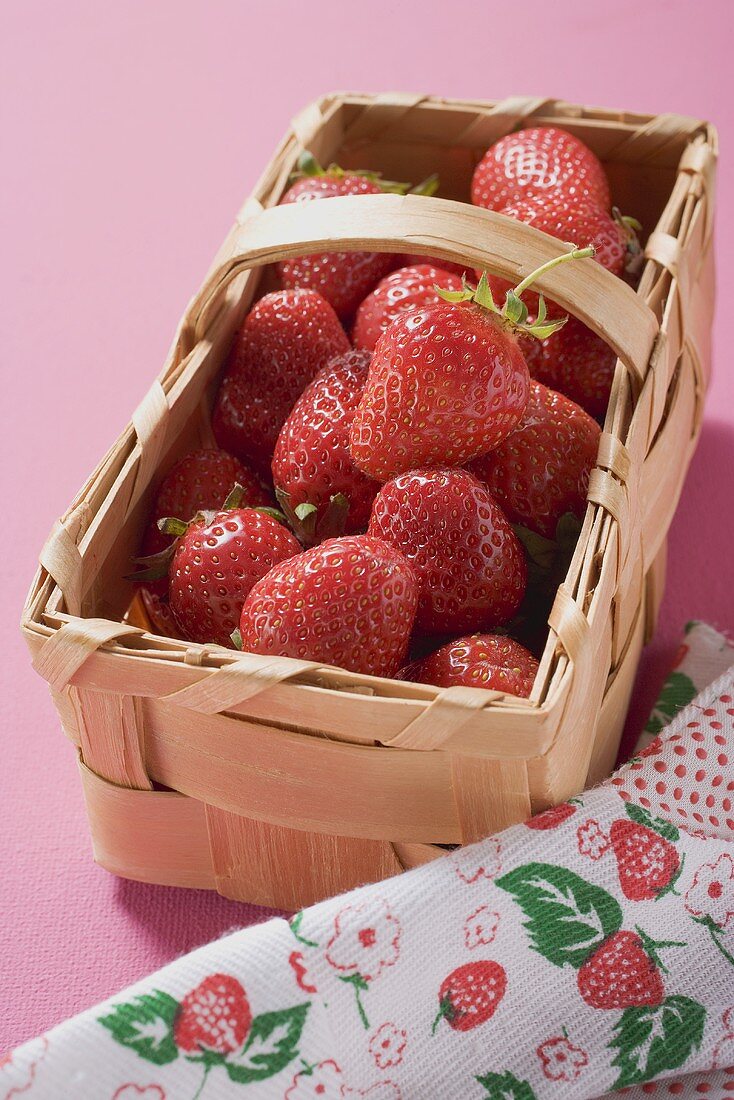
x=281 y=781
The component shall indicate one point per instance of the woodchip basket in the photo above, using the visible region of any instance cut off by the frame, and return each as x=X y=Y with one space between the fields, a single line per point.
x=281 y=781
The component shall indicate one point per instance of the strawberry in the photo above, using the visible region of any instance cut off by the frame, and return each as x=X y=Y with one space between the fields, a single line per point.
x=201 y=479
x=491 y=661
x=541 y=470
x=403 y=290
x=471 y=994
x=448 y=381
x=215 y=1017
x=217 y=560
x=621 y=974
x=470 y=565
x=413 y=260
x=286 y=338
x=349 y=602
x=343 y=278
x=578 y=363
x=542 y=161
x=312 y=463
x=552 y=818
x=647 y=863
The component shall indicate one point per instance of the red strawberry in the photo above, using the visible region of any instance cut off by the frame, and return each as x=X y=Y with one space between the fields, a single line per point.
x=216 y=563
x=200 y=480
x=469 y=562
x=552 y=818
x=647 y=863
x=349 y=602
x=491 y=661
x=312 y=462
x=578 y=363
x=214 y=1017
x=286 y=338
x=448 y=381
x=403 y=290
x=620 y=974
x=541 y=161
x=471 y=994
x=413 y=260
x=541 y=470
x=343 y=278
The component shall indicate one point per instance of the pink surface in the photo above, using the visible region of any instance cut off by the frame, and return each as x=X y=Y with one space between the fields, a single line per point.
x=132 y=133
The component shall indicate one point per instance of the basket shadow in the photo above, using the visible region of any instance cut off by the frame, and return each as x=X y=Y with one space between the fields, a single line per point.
x=699 y=576
x=174 y=920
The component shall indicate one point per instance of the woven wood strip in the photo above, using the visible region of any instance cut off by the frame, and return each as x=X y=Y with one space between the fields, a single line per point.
x=509 y=114
x=448 y=712
x=150 y=421
x=570 y=624
x=65 y=652
x=649 y=141
x=61 y=559
x=487 y=793
x=118 y=757
x=614 y=456
x=244 y=678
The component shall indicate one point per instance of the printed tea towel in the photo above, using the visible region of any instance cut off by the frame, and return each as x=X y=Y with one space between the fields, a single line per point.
x=588 y=950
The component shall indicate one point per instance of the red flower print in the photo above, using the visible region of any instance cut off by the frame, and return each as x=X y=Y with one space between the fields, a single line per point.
x=139 y=1092
x=724 y=1053
x=366 y=939
x=481 y=927
x=593 y=842
x=295 y=961
x=711 y=894
x=18 y=1068
x=478 y=860
x=320 y=1082
x=551 y=819
x=727 y=1020
x=561 y=1060
x=383 y=1090
x=387 y=1046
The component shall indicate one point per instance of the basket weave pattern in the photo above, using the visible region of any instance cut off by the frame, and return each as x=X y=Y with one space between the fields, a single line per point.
x=285 y=780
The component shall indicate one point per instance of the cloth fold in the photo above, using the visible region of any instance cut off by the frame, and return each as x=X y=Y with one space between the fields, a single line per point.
x=588 y=950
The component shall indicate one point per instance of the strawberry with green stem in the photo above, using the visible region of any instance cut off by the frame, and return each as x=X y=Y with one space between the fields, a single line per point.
x=624 y=972
x=648 y=863
x=470 y=995
x=448 y=382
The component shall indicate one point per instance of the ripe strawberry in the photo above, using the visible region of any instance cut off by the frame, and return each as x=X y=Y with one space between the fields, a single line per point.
x=216 y=563
x=542 y=161
x=286 y=338
x=568 y=219
x=470 y=565
x=403 y=290
x=413 y=260
x=343 y=278
x=471 y=994
x=491 y=661
x=447 y=381
x=312 y=462
x=214 y=1017
x=621 y=974
x=349 y=602
x=552 y=818
x=200 y=480
x=541 y=470
x=647 y=863
x=578 y=363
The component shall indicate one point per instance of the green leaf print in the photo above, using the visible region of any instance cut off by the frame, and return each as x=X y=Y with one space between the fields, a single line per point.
x=145 y=1025
x=505 y=1086
x=678 y=691
x=656 y=1038
x=658 y=825
x=271 y=1044
x=567 y=917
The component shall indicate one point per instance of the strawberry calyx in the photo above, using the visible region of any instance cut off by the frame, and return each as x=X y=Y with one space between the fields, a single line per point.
x=652 y=947
x=310 y=168
x=659 y=825
x=304 y=521
x=514 y=313
x=446 y=1011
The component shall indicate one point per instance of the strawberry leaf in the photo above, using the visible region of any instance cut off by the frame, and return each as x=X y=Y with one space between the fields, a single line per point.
x=658 y=825
x=567 y=917
x=271 y=1044
x=145 y=1025
x=652 y=1039
x=505 y=1086
x=678 y=691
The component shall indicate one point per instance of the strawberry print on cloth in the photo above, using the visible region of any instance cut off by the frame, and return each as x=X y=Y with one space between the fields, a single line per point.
x=588 y=952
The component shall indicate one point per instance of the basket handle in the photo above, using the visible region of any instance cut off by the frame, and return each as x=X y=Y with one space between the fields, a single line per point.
x=432 y=227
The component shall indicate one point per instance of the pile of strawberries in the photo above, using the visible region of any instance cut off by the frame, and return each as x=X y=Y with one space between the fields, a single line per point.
x=411 y=493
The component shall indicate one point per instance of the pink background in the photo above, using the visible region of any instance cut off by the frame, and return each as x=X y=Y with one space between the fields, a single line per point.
x=132 y=133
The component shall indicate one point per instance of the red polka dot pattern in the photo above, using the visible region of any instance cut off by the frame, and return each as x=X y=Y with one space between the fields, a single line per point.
x=688 y=775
